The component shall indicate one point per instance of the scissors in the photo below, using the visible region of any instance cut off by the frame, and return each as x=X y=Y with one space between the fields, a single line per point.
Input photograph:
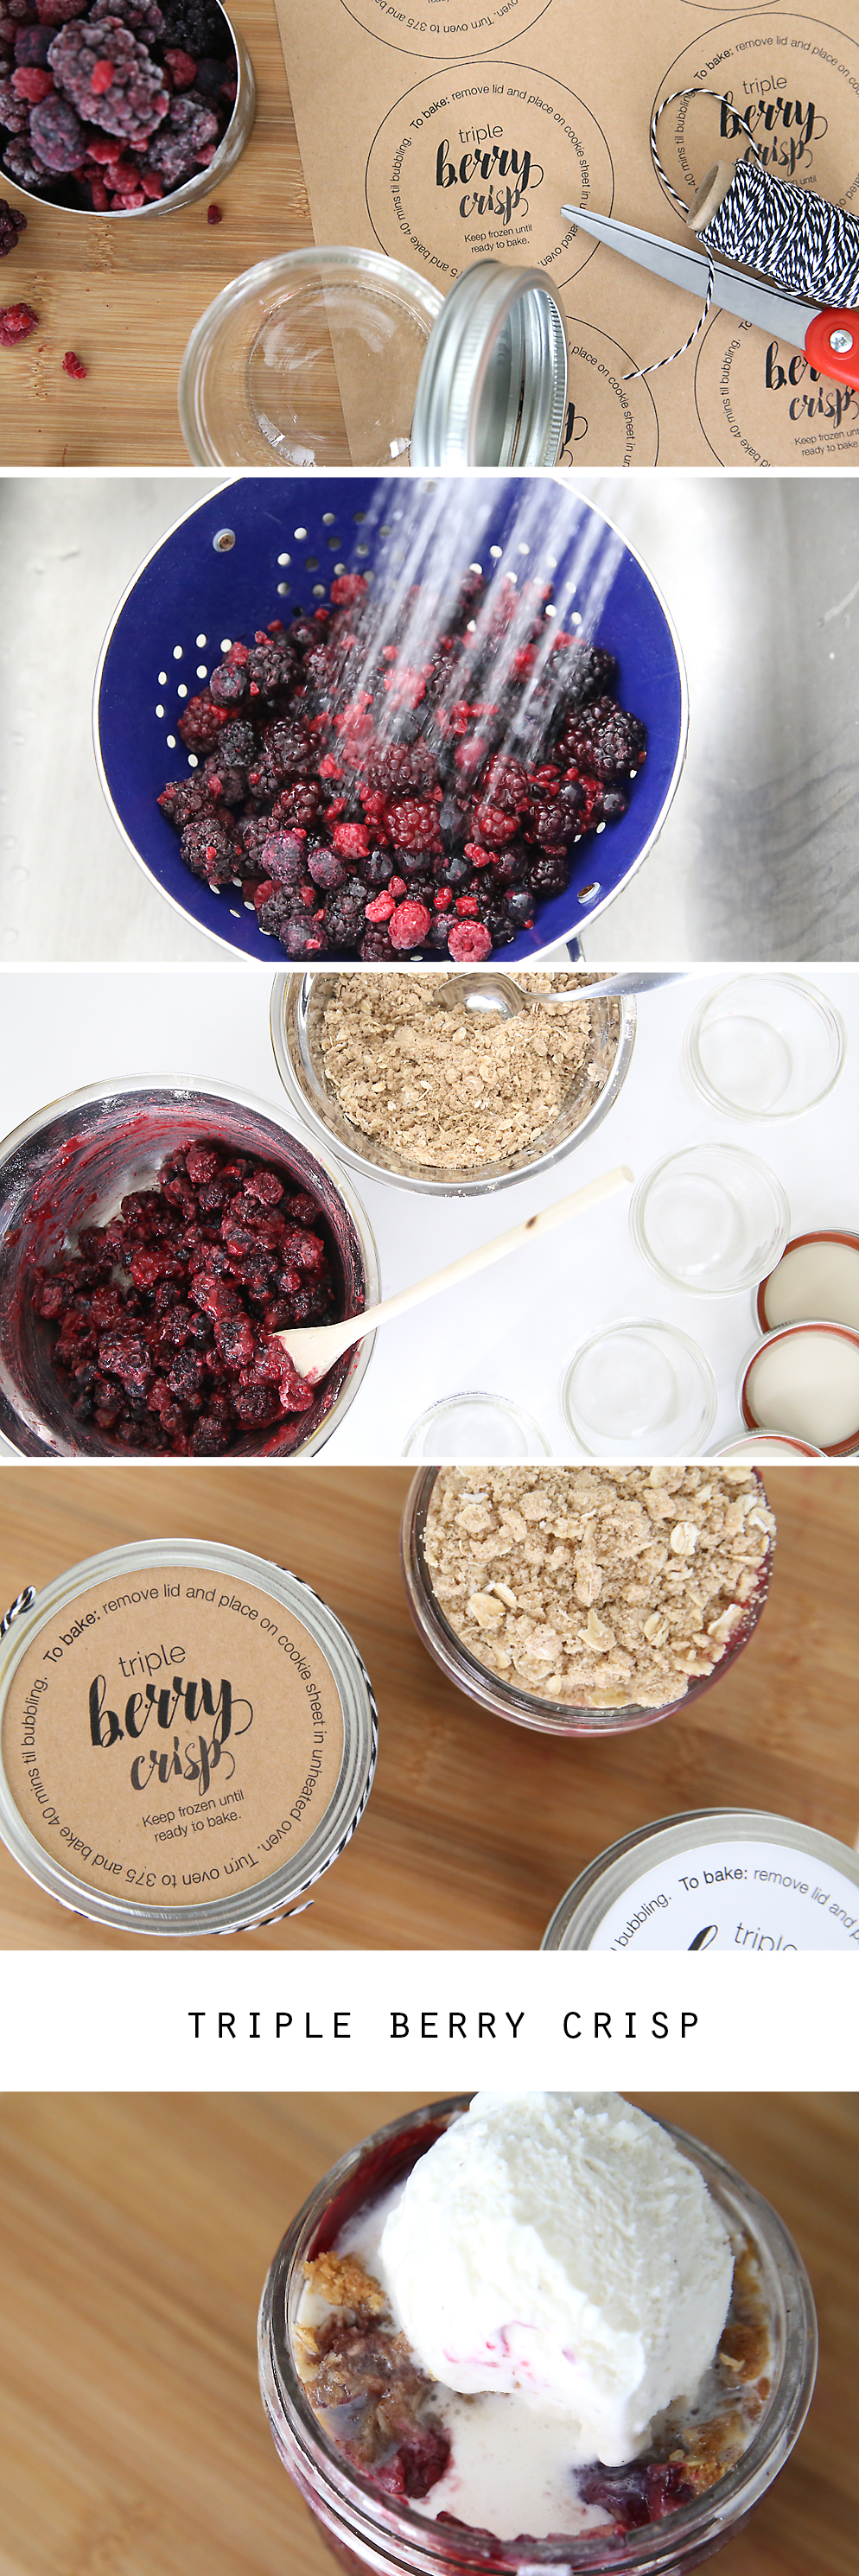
x=830 y=339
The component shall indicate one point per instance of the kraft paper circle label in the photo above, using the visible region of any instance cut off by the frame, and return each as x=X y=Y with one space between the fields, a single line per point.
x=795 y=81
x=760 y=403
x=171 y=1735
x=751 y=1897
x=477 y=163
x=608 y=422
x=445 y=30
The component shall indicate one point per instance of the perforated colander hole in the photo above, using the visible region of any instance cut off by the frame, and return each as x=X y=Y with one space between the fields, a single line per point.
x=193 y=762
x=160 y=711
x=551 y=612
x=359 y=516
x=162 y=679
x=283 y=590
x=181 y=691
x=475 y=567
x=588 y=893
x=171 y=742
x=177 y=652
x=226 y=643
x=319 y=590
x=575 y=620
x=362 y=550
x=551 y=563
x=328 y=518
x=333 y=543
x=202 y=671
x=523 y=550
x=200 y=639
x=224 y=542
x=300 y=533
x=284 y=559
x=600 y=828
x=495 y=552
x=339 y=567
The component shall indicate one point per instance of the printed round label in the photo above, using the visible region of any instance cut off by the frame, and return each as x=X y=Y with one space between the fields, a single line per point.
x=444 y=30
x=477 y=163
x=169 y=1735
x=795 y=81
x=760 y=403
x=744 y=1896
x=608 y=421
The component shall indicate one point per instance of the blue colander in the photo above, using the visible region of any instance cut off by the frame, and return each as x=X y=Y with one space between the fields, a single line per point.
x=269 y=546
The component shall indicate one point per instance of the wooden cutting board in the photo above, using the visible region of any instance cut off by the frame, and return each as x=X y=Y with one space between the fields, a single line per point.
x=476 y=1827
x=135 y=2234
x=126 y=295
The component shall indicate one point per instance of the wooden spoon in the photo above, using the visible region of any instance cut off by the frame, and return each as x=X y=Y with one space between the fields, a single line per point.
x=313 y=1348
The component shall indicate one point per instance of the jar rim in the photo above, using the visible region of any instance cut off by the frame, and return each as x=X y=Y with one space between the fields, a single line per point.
x=244 y=1908
x=370 y=2517
x=614 y=1872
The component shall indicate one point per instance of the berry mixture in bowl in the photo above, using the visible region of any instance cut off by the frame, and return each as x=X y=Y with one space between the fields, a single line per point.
x=372 y=805
x=109 y=105
x=166 y=1317
x=153 y=1243
x=546 y=2315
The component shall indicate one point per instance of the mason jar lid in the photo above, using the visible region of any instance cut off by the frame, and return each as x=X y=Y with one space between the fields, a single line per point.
x=493 y=385
x=714 y=1879
x=188 y=1737
x=339 y=356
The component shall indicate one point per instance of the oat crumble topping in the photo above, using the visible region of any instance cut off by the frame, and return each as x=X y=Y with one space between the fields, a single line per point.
x=457 y=1090
x=606 y=1587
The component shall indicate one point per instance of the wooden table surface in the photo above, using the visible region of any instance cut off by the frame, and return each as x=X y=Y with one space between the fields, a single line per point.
x=135 y=2234
x=476 y=1827
x=126 y=295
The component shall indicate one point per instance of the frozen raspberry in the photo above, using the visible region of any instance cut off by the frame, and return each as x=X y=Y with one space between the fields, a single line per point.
x=409 y=925
x=214 y=215
x=11 y=224
x=352 y=840
x=381 y=909
x=182 y=68
x=16 y=323
x=469 y=942
x=348 y=587
x=73 y=365
x=32 y=83
x=59 y=13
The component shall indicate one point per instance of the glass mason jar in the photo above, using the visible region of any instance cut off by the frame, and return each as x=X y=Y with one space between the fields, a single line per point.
x=71 y=1163
x=298 y=1008
x=505 y=1699
x=365 y=2529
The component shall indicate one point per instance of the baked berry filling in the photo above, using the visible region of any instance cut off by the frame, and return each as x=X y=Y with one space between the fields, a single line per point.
x=165 y=1318
x=370 y=808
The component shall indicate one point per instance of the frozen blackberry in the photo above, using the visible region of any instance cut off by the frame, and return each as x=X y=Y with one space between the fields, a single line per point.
x=237 y=743
x=282 y=856
x=57 y=134
x=15 y=115
x=110 y=76
x=58 y=13
x=344 y=915
x=184 y=798
x=186 y=140
x=143 y=16
x=201 y=724
x=604 y=741
x=580 y=673
x=11 y=224
x=208 y=849
x=31 y=46
x=198 y=26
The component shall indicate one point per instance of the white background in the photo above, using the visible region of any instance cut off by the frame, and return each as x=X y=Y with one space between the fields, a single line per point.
x=513 y=1331
x=122 y=2021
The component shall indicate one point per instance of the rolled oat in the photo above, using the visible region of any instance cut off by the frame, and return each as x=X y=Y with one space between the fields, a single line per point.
x=601 y=1587
x=456 y=1090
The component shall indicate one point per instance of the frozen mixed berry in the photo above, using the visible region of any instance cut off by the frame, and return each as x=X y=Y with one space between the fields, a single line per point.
x=11 y=224
x=31 y=46
x=411 y=807
x=185 y=141
x=73 y=365
x=110 y=76
x=163 y=1322
x=57 y=134
x=16 y=323
x=124 y=71
x=14 y=114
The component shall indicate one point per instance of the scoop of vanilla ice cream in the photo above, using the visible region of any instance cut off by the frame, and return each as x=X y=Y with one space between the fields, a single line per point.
x=560 y=2245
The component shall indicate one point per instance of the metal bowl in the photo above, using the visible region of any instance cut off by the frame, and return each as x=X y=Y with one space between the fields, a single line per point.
x=71 y=1164
x=298 y=1005
x=229 y=150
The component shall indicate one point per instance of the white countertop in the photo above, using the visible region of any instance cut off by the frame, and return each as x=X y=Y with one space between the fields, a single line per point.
x=511 y=1332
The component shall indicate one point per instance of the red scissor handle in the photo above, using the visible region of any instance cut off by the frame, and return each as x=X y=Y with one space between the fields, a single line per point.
x=822 y=346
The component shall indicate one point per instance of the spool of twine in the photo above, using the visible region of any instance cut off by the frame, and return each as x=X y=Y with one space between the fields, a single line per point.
x=748 y=216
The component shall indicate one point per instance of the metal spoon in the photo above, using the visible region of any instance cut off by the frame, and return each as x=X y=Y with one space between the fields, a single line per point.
x=495 y=992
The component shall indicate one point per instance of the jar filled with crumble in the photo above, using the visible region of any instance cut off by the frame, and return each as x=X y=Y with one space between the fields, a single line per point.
x=366 y=2525
x=582 y=1600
